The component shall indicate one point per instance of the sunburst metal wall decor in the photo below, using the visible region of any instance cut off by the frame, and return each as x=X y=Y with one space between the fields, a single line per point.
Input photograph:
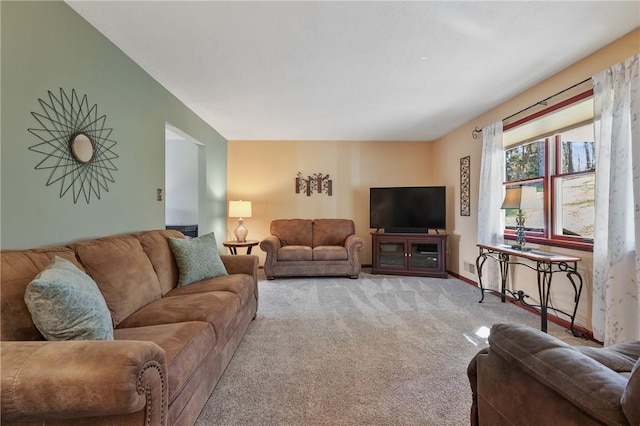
x=75 y=144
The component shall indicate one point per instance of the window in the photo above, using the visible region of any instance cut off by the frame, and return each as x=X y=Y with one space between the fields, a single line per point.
x=560 y=164
x=574 y=184
x=525 y=164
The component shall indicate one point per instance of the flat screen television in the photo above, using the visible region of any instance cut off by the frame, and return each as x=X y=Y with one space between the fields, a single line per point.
x=408 y=209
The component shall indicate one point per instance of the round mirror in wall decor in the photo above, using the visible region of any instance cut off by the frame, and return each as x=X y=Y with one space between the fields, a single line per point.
x=82 y=148
x=78 y=152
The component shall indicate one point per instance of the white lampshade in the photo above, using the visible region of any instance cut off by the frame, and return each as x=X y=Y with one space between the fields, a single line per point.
x=240 y=208
x=521 y=197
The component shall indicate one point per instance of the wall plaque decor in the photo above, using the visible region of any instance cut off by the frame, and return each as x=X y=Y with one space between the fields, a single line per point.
x=465 y=191
x=75 y=144
x=315 y=183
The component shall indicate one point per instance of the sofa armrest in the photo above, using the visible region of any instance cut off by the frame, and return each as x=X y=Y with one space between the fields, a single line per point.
x=584 y=382
x=270 y=246
x=43 y=380
x=353 y=244
x=241 y=264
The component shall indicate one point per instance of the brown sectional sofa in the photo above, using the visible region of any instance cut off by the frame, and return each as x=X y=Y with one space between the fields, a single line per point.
x=527 y=377
x=171 y=344
x=318 y=247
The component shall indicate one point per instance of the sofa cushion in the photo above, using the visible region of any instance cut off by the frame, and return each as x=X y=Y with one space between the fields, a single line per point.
x=123 y=273
x=620 y=357
x=295 y=252
x=240 y=284
x=186 y=346
x=296 y=232
x=219 y=308
x=331 y=232
x=197 y=258
x=156 y=245
x=329 y=253
x=66 y=304
x=18 y=268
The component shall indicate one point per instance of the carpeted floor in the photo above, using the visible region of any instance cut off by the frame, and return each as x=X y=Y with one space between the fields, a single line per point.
x=380 y=350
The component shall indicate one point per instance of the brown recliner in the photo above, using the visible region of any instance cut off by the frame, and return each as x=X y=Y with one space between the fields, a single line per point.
x=318 y=247
x=527 y=377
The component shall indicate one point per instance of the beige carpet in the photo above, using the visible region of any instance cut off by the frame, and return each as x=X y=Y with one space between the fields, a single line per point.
x=379 y=350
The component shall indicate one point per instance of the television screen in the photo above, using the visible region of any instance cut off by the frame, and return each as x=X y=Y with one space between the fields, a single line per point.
x=408 y=209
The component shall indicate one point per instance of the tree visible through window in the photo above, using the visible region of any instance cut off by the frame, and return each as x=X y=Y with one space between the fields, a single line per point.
x=525 y=161
x=525 y=165
x=575 y=184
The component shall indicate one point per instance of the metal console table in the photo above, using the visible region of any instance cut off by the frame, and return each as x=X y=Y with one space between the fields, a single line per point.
x=546 y=264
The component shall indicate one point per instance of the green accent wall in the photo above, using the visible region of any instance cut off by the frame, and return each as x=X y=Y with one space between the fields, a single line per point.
x=46 y=46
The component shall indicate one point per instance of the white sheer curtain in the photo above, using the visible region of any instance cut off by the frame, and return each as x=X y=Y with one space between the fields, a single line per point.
x=616 y=245
x=490 y=220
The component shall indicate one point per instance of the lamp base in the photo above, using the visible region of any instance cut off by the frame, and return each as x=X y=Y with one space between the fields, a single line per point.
x=240 y=232
x=520 y=230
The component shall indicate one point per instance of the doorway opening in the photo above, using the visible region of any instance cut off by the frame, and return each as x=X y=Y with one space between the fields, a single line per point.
x=185 y=181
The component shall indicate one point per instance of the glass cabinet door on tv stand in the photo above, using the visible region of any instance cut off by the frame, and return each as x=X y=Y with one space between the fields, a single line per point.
x=409 y=254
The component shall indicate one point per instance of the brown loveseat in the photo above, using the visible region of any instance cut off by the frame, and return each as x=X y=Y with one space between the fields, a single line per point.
x=318 y=247
x=171 y=344
x=527 y=377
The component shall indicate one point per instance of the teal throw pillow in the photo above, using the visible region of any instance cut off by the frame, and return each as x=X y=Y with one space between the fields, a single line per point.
x=66 y=304
x=197 y=258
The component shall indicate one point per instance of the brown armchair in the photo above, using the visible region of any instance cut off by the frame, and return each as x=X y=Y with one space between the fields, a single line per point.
x=527 y=377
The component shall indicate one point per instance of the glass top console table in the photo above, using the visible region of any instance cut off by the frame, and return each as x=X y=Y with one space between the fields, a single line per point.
x=545 y=264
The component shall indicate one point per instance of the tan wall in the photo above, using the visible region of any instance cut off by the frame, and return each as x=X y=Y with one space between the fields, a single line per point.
x=459 y=143
x=264 y=173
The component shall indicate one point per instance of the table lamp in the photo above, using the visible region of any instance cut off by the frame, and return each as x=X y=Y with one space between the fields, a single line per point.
x=520 y=198
x=240 y=209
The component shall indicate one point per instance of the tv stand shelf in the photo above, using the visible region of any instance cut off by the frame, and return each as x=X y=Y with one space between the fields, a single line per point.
x=409 y=254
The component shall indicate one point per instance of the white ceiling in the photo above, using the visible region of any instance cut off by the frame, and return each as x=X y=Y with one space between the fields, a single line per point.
x=381 y=70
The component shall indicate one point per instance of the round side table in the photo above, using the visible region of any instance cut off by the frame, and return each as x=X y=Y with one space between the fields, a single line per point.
x=233 y=245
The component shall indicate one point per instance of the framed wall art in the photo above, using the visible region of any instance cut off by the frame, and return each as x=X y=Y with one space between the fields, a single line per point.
x=317 y=182
x=465 y=191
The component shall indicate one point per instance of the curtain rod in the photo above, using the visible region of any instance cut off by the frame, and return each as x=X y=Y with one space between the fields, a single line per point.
x=476 y=131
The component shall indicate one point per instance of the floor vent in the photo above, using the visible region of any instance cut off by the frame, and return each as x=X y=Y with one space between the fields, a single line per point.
x=470 y=267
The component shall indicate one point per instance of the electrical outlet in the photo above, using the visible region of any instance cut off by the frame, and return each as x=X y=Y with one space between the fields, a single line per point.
x=159 y=194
